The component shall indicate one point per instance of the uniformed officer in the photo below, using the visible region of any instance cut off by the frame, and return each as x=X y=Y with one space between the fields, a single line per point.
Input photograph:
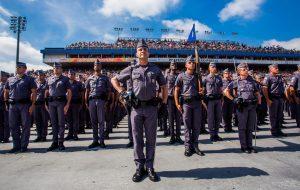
x=173 y=113
x=75 y=106
x=20 y=92
x=188 y=89
x=227 y=106
x=294 y=94
x=144 y=77
x=40 y=112
x=4 y=127
x=59 y=99
x=262 y=109
x=246 y=97
x=273 y=90
x=213 y=86
x=98 y=88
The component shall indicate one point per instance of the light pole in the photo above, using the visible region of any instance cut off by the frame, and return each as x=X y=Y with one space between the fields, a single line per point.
x=18 y=25
x=119 y=30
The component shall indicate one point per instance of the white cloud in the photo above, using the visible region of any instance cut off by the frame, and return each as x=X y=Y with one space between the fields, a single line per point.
x=4 y=11
x=143 y=9
x=28 y=54
x=3 y=22
x=185 y=25
x=247 y=9
x=290 y=44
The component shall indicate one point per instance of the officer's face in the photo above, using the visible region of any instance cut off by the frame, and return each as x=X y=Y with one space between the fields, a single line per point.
x=20 y=70
x=190 y=65
x=173 y=67
x=71 y=76
x=274 y=70
x=57 y=70
x=41 y=77
x=212 y=69
x=3 y=79
x=142 y=53
x=243 y=71
x=226 y=75
x=97 y=67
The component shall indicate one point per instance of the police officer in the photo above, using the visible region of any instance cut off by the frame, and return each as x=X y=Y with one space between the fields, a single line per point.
x=227 y=106
x=213 y=85
x=40 y=112
x=262 y=109
x=59 y=99
x=97 y=93
x=273 y=90
x=294 y=94
x=144 y=76
x=20 y=92
x=173 y=113
x=246 y=97
x=75 y=106
x=188 y=89
x=4 y=127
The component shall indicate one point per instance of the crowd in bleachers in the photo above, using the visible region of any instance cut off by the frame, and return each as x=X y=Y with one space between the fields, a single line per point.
x=182 y=44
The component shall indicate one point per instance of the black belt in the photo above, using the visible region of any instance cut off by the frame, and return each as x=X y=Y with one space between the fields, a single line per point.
x=76 y=101
x=20 y=101
x=39 y=102
x=142 y=103
x=101 y=97
x=276 y=96
x=57 y=98
x=214 y=97
x=249 y=102
x=190 y=99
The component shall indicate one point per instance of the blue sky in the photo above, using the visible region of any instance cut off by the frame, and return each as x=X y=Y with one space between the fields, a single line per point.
x=56 y=23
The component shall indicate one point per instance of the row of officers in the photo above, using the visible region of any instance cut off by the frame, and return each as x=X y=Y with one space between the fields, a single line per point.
x=149 y=97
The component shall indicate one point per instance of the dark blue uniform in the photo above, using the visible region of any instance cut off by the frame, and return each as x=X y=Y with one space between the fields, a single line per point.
x=4 y=127
x=20 y=101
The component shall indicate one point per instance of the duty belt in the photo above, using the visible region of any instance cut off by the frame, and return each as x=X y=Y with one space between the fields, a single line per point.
x=57 y=98
x=214 y=97
x=276 y=96
x=190 y=99
x=142 y=103
x=249 y=102
x=76 y=101
x=39 y=102
x=20 y=101
x=101 y=97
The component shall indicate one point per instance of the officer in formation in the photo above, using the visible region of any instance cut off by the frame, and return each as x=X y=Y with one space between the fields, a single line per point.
x=20 y=93
x=187 y=89
x=4 y=127
x=227 y=106
x=75 y=106
x=213 y=87
x=294 y=94
x=173 y=113
x=144 y=76
x=40 y=113
x=262 y=109
x=274 y=91
x=98 y=89
x=246 y=96
x=59 y=97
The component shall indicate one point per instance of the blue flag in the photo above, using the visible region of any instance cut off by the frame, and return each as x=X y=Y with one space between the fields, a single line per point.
x=192 y=36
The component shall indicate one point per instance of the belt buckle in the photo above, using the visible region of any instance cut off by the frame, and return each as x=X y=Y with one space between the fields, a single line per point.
x=143 y=103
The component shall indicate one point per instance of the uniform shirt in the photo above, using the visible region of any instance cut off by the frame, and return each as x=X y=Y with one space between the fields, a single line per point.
x=144 y=80
x=77 y=89
x=246 y=88
x=171 y=79
x=187 y=84
x=98 y=85
x=213 y=84
x=295 y=81
x=20 y=88
x=274 y=84
x=2 y=87
x=40 y=91
x=58 y=86
x=226 y=83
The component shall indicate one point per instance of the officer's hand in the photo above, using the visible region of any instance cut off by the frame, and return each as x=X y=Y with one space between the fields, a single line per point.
x=269 y=102
x=66 y=108
x=31 y=108
x=179 y=108
x=297 y=100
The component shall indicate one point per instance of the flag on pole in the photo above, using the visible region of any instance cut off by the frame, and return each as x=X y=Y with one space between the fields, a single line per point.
x=192 y=35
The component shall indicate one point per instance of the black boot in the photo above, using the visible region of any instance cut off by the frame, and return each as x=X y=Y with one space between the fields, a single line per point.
x=179 y=140
x=102 y=145
x=61 y=146
x=152 y=175
x=53 y=146
x=69 y=137
x=172 y=140
x=198 y=151
x=94 y=144
x=130 y=144
x=139 y=175
x=188 y=152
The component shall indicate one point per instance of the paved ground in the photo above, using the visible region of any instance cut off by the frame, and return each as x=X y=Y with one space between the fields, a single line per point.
x=276 y=166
